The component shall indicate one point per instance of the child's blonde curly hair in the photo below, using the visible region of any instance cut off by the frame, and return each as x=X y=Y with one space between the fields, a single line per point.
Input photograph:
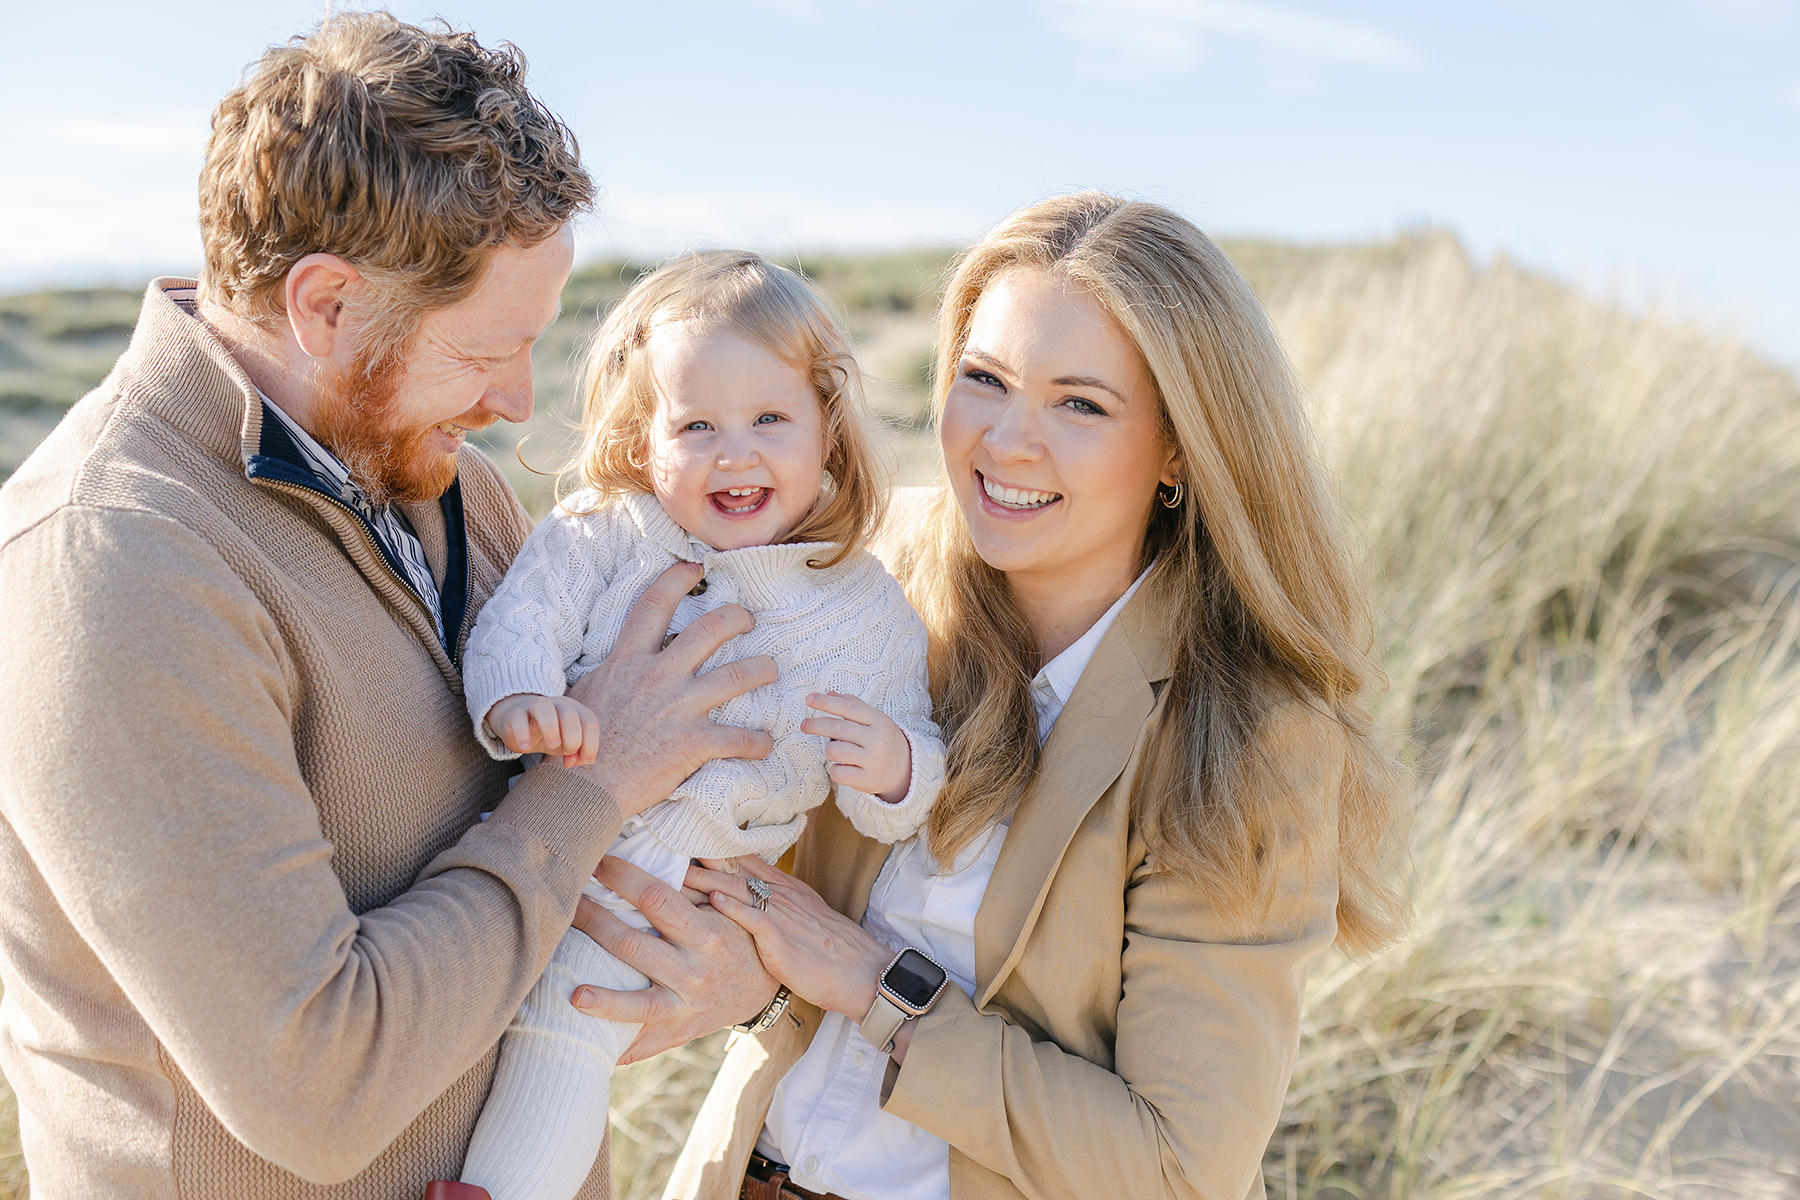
x=770 y=307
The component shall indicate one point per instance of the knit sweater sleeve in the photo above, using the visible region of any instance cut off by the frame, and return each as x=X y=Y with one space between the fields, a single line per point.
x=899 y=686
x=530 y=632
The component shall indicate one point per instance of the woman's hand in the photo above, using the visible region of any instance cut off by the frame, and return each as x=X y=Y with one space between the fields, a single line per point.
x=703 y=969
x=823 y=956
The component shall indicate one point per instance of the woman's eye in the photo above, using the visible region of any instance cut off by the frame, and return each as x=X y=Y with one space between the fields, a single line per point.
x=1085 y=407
x=985 y=378
x=768 y=419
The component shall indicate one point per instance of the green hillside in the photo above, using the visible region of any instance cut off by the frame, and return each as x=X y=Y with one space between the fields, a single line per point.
x=56 y=345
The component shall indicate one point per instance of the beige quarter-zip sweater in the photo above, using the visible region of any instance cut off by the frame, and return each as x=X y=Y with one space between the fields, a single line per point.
x=253 y=940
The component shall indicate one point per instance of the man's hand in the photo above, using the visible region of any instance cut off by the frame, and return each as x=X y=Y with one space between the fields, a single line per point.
x=531 y=724
x=868 y=750
x=652 y=709
x=703 y=969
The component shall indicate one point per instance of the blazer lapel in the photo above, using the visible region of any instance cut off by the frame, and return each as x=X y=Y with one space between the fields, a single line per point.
x=1087 y=749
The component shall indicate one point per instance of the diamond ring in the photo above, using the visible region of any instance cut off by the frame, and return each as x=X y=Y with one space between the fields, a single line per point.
x=760 y=890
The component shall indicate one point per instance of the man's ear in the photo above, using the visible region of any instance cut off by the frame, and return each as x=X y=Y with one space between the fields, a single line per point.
x=316 y=289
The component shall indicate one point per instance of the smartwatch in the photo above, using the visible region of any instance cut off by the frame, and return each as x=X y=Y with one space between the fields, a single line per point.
x=908 y=988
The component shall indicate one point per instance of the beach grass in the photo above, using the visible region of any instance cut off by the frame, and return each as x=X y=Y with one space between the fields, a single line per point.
x=1583 y=531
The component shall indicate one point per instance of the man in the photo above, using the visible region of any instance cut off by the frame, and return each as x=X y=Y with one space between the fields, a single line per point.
x=253 y=936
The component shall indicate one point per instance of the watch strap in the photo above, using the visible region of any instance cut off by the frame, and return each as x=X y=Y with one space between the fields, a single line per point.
x=766 y=1019
x=882 y=1022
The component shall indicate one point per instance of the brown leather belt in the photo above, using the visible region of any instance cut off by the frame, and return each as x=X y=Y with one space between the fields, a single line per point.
x=765 y=1180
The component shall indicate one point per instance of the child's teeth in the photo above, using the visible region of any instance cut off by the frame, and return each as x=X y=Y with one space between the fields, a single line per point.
x=752 y=496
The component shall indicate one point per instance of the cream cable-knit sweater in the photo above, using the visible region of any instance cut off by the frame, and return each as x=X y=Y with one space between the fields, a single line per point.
x=847 y=628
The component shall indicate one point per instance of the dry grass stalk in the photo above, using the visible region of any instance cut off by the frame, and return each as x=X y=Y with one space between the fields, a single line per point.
x=653 y=1103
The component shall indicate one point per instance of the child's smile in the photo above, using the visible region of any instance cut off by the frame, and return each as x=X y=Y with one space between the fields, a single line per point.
x=741 y=502
x=737 y=446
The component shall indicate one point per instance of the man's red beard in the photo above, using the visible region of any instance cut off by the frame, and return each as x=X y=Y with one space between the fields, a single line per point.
x=354 y=415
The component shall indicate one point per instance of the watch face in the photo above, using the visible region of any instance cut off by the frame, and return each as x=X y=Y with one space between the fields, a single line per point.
x=914 y=978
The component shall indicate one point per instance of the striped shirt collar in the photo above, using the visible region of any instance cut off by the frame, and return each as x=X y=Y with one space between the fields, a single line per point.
x=326 y=465
x=311 y=463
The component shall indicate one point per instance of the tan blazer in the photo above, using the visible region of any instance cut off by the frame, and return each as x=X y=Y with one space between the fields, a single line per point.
x=1125 y=1039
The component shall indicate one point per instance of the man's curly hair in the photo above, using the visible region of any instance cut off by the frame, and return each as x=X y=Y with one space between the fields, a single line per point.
x=410 y=153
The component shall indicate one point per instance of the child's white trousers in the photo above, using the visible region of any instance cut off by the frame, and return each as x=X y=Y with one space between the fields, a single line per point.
x=546 y=1113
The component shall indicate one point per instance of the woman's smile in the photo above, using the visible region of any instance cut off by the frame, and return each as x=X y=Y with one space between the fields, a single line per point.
x=1016 y=500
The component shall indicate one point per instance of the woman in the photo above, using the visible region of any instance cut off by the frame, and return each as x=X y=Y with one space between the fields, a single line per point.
x=1165 y=795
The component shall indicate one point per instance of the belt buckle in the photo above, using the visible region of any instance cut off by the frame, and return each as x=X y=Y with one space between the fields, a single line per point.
x=763 y=1179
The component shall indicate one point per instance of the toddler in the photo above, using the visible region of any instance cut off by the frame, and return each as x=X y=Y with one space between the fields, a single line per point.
x=724 y=426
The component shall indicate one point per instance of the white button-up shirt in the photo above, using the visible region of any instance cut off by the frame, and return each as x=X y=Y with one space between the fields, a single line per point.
x=826 y=1121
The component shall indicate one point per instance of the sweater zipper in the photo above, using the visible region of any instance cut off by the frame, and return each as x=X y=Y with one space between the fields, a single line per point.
x=454 y=648
x=374 y=543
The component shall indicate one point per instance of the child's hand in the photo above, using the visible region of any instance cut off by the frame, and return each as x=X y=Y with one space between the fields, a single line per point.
x=531 y=724
x=868 y=751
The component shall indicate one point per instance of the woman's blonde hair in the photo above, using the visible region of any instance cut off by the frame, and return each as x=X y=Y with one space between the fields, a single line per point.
x=770 y=307
x=1266 y=605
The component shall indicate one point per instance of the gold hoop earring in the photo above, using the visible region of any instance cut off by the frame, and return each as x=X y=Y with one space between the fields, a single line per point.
x=1173 y=499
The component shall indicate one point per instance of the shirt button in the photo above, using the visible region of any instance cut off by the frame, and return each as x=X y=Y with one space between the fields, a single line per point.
x=858 y=1058
x=811 y=1164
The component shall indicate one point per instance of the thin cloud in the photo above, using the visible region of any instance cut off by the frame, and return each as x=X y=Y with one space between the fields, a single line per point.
x=653 y=224
x=72 y=227
x=794 y=10
x=1171 y=32
x=157 y=133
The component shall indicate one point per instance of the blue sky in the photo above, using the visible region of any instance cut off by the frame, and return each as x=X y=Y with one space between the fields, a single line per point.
x=1645 y=149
